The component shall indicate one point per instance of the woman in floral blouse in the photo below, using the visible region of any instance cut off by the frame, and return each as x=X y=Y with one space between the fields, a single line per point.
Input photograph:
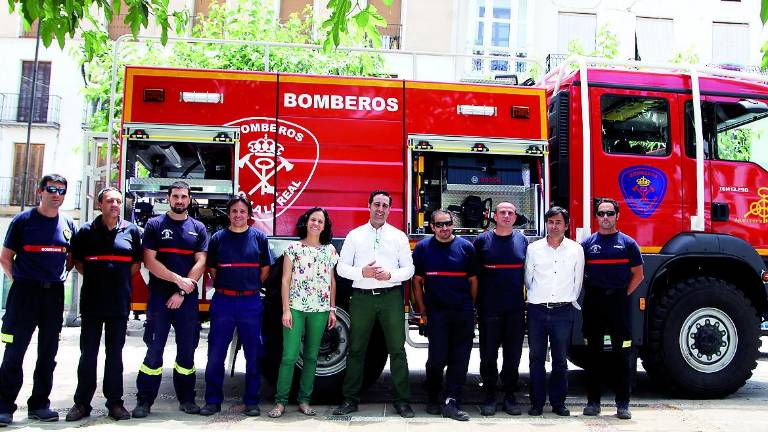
x=308 y=296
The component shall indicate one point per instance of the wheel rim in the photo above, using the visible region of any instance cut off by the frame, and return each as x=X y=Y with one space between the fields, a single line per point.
x=332 y=357
x=708 y=340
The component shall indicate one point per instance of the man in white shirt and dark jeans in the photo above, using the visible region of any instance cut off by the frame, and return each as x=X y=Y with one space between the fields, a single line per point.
x=554 y=271
x=377 y=258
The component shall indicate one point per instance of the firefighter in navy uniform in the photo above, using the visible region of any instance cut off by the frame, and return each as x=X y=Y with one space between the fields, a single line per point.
x=106 y=252
x=239 y=261
x=501 y=307
x=175 y=248
x=613 y=270
x=36 y=256
x=445 y=287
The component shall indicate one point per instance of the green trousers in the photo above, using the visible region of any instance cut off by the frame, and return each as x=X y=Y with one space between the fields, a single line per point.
x=365 y=309
x=314 y=323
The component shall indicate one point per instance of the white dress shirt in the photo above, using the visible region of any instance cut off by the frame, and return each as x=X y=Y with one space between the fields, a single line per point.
x=554 y=275
x=387 y=246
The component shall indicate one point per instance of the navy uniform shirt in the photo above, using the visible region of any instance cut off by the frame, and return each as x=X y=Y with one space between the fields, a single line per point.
x=608 y=259
x=445 y=268
x=41 y=244
x=176 y=243
x=501 y=271
x=238 y=258
x=107 y=257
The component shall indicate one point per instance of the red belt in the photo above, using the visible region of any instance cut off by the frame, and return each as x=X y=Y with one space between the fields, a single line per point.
x=108 y=258
x=236 y=293
x=502 y=266
x=455 y=274
x=177 y=251
x=44 y=248
x=238 y=265
x=609 y=261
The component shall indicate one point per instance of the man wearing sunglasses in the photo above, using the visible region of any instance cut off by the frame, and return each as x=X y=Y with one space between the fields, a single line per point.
x=107 y=253
x=36 y=255
x=614 y=269
x=445 y=288
x=500 y=307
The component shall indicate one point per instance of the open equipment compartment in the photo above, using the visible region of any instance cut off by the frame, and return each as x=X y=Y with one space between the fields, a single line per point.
x=156 y=155
x=468 y=176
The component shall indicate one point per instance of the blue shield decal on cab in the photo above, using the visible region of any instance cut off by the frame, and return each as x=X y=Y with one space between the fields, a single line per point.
x=643 y=188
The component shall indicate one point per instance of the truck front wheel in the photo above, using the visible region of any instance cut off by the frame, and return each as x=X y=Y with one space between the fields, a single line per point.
x=703 y=338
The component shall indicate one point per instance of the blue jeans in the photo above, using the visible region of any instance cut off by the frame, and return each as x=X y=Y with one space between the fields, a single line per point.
x=553 y=326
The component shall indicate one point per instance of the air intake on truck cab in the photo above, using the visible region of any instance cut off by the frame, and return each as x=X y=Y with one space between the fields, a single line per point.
x=557 y=117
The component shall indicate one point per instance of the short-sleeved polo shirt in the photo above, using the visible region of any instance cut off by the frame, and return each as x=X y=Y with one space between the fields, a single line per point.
x=107 y=257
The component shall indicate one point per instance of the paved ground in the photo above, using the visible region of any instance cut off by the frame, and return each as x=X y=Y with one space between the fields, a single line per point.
x=743 y=411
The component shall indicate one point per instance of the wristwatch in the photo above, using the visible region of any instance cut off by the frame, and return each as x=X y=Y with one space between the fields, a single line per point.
x=182 y=292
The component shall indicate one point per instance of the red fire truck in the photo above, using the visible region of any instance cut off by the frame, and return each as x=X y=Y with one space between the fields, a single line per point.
x=291 y=142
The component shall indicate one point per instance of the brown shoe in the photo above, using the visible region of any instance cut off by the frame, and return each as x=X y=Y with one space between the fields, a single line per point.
x=118 y=412
x=78 y=412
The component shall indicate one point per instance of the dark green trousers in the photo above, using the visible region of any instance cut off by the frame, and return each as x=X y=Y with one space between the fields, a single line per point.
x=365 y=309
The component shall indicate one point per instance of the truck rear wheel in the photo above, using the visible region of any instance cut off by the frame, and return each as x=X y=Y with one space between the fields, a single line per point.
x=703 y=338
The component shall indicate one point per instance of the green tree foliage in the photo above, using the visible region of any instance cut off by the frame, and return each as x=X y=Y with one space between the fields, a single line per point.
x=736 y=144
x=241 y=20
x=689 y=56
x=606 y=44
x=63 y=19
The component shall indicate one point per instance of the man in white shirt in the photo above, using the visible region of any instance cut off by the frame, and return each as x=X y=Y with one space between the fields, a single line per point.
x=377 y=258
x=554 y=271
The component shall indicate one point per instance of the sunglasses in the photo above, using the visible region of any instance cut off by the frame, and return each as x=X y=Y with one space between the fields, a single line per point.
x=608 y=213
x=443 y=224
x=55 y=190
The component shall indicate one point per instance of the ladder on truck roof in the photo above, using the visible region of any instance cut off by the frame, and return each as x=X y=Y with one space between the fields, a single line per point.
x=557 y=75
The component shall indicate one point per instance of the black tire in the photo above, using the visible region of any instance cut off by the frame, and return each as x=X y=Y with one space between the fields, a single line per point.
x=703 y=339
x=332 y=358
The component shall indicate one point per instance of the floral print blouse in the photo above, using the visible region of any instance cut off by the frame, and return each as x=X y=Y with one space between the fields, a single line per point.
x=310 y=289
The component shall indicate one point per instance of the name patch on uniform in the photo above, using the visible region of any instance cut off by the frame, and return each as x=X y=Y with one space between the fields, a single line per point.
x=643 y=188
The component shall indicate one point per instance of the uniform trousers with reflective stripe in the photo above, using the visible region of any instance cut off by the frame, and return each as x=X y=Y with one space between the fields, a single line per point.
x=114 y=340
x=607 y=312
x=30 y=306
x=187 y=329
x=227 y=314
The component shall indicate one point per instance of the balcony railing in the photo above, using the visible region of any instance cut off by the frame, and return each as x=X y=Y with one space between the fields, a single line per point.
x=14 y=108
x=506 y=64
x=10 y=191
x=553 y=60
x=391 y=36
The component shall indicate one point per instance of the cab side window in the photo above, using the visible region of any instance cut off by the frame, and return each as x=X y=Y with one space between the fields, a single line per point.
x=635 y=125
x=733 y=131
